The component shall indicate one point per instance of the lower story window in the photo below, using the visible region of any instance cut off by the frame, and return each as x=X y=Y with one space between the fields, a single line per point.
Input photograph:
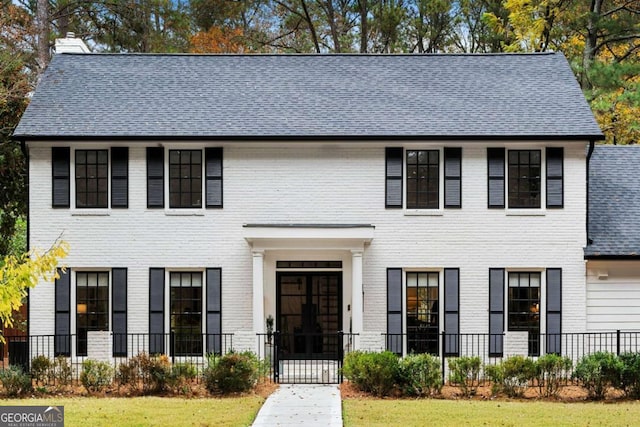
x=524 y=307
x=92 y=310
x=186 y=313
x=422 y=312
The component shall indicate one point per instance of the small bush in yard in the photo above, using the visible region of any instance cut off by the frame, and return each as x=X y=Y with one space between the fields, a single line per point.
x=40 y=366
x=96 y=376
x=156 y=372
x=465 y=373
x=511 y=376
x=231 y=373
x=630 y=376
x=181 y=375
x=374 y=373
x=15 y=381
x=61 y=371
x=597 y=372
x=130 y=374
x=551 y=371
x=420 y=375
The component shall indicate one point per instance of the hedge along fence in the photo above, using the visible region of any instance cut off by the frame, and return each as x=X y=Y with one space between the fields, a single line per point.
x=141 y=374
x=384 y=373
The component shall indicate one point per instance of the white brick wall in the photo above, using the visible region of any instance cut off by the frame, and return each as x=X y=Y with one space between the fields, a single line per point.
x=315 y=183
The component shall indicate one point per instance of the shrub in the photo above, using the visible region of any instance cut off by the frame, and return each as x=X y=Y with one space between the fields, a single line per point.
x=511 y=376
x=156 y=372
x=551 y=370
x=181 y=375
x=233 y=372
x=61 y=371
x=465 y=373
x=374 y=373
x=15 y=381
x=40 y=366
x=130 y=374
x=630 y=376
x=96 y=375
x=598 y=371
x=420 y=375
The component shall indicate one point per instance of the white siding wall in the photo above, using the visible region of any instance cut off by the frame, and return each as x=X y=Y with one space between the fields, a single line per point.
x=315 y=183
x=613 y=295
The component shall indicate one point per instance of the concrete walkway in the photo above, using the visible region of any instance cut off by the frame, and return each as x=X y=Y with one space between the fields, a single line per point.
x=302 y=405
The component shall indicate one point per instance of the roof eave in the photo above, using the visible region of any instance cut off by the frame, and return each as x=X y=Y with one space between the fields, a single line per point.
x=266 y=138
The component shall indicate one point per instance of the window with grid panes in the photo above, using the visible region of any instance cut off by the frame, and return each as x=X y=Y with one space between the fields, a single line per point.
x=186 y=313
x=423 y=179
x=524 y=178
x=92 y=306
x=422 y=312
x=185 y=178
x=524 y=306
x=92 y=177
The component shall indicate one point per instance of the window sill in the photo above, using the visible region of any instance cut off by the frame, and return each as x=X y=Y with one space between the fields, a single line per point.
x=423 y=212
x=184 y=212
x=91 y=212
x=526 y=212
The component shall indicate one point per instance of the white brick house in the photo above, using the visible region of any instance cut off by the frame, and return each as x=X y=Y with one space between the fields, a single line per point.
x=392 y=196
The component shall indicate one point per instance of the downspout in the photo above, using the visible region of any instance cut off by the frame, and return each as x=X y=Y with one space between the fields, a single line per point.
x=592 y=145
x=25 y=152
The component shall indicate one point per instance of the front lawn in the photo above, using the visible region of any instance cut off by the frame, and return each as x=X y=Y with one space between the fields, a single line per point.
x=152 y=411
x=407 y=413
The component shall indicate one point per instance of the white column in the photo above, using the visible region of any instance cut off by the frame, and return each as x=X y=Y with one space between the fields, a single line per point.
x=356 y=294
x=258 y=292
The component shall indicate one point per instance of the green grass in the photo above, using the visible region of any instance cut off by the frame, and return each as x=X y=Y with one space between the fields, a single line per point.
x=406 y=413
x=151 y=411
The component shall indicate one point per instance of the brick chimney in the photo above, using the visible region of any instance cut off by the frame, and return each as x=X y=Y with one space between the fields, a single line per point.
x=71 y=44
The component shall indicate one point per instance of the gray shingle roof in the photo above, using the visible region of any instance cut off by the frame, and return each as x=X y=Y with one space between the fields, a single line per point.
x=614 y=201
x=254 y=96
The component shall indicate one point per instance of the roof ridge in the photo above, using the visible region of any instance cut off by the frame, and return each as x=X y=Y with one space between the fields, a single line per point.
x=319 y=55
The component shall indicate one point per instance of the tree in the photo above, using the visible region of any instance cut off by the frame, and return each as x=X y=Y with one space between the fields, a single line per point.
x=20 y=273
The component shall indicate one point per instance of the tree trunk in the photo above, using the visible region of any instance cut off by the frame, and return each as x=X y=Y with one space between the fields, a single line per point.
x=591 y=39
x=364 y=25
x=42 y=25
x=312 y=28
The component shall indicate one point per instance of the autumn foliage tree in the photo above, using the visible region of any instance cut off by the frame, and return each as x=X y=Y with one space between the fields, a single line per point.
x=20 y=273
x=218 y=40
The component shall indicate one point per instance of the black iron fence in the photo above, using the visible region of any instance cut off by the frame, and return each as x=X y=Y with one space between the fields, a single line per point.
x=492 y=348
x=305 y=358
x=73 y=350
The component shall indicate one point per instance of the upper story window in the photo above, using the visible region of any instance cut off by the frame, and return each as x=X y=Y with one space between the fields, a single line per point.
x=185 y=178
x=524 y=178
x=187 y=169
x=423 y=179
x=92 y=175
x=100 y=177
x=430 y=175
x=535 y=178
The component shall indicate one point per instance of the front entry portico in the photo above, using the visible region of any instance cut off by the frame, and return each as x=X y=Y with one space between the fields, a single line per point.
x=272 y=288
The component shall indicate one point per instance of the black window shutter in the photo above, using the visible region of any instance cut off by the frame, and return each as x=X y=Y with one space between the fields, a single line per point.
x=119 y=177
x=554 y=310
x=214 y=310
x=453 y=177
x=155 y=177
x=60 y=176
x=156 y=310
x=119 y=311
x=393 y=186
x=394 y=310
x=451 y=311
x=62 y=342
x=496 y=311
x=495 y=169
x=555 y=172
x=213 y=174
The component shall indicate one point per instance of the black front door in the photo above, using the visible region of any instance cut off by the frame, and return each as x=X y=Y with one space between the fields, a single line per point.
x=309 y=314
